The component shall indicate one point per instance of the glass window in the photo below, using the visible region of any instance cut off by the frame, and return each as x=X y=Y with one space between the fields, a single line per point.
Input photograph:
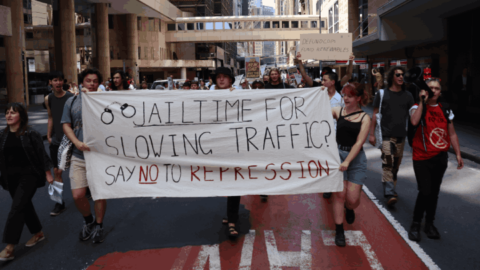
x=238 y=25
x=159 y=25
x=285 y=24
x=146 y=52
x=257 y=25
x=266 y=25
x=139 y=23
x=218 y=25
x=330 y=20
x=313 y=24
x=335 y=17
x=227 y=26
x=200 y=26
x=171 y=27
x=209 y=26
x=181 y=26
x=139 y=52
x=304 y=24
x=276 y=24
x=151 y=24
x=294 y=24
x=323 y=24
x=248 y=25
x=190 y=26
x=29 y=35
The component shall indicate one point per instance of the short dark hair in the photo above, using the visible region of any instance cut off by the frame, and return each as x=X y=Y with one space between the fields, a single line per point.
x=195 y=82
x=327 y=70
x=20 y=108
x=391 y=73
x=56 y=74
x=89 y=71
x=186 y=84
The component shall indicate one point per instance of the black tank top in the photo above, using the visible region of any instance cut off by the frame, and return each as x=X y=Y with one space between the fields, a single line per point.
x=56 y=107
x=347 y=132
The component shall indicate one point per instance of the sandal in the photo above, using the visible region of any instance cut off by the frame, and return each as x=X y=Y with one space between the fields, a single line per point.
x=231 y=230
x=7 y=255
x=35 y=239
x=225 y=221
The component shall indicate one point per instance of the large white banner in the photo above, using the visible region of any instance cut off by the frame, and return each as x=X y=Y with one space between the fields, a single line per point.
x=210 y=143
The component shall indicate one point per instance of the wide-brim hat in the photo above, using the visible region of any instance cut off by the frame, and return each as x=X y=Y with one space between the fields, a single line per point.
x=224 y=71
x=258 y=81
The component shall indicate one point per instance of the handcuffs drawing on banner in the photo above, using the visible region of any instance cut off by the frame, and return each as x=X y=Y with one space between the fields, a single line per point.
x=122 y=108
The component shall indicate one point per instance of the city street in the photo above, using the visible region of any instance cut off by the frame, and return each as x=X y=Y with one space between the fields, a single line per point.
x=291 y=231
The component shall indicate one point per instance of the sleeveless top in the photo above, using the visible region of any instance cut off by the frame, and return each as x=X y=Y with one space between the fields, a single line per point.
x=347 y=132
x=56 y=107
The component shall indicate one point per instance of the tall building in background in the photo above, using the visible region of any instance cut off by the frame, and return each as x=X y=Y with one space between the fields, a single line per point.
x=268 y=46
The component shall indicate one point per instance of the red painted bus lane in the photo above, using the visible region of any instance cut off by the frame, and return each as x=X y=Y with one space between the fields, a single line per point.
x=288 y=232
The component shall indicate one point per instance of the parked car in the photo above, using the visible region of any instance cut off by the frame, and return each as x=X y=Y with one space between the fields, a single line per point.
x=163 y=82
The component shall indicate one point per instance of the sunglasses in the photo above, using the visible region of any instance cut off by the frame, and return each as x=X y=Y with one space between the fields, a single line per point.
x=398 y=75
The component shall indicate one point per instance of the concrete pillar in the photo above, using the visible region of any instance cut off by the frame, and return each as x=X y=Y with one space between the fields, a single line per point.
x=103 y=41
x=66 y=15
x=13 y=53
x=183 y=73
x=131 y=33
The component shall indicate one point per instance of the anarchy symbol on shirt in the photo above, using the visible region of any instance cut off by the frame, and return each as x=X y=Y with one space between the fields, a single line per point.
x=438 y=138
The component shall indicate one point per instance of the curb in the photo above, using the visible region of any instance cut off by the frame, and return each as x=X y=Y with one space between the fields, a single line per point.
x=466 y=155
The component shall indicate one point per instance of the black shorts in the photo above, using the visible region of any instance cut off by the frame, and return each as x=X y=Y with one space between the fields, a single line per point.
x=54 y=154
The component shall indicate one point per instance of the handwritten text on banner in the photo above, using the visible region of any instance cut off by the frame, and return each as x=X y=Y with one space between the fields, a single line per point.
x=325 y=46
x=210 y=143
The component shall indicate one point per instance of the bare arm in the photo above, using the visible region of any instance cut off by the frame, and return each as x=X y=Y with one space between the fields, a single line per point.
x=455 y=144
x=372 y=139
x=361 y=138
x=305 y=77
x=67 y=129
x=417 y=114
x=336 y=112
x=348 y=76
x=50 y=121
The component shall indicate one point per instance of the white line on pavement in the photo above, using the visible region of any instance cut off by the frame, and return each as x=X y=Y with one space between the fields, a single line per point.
x=403 y=233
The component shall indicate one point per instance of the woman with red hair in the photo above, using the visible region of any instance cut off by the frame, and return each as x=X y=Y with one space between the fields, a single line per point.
x=352 y=130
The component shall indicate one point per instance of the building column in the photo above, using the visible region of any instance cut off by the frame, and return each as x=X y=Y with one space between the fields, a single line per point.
x=103 y=39
x=132 y=46
x=13 y=53
x=66 y=14
x=183 y=73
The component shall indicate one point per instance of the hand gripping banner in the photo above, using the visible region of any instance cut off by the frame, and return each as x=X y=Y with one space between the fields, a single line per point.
x=210 y=143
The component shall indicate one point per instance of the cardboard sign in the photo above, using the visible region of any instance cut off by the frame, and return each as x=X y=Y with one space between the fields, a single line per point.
x=252 y=65
x=298 y=78
x=238 y=79
x=325 y=46
x=210 y=143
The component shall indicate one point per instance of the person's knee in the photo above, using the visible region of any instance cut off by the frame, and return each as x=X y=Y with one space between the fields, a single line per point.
x=339 y=196
x=78 y=194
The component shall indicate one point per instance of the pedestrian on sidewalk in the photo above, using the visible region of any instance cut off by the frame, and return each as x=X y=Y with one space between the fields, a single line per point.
x=72 y=116
x=55 y=102
x=396 y=103
x=24 y=167
x=430 y=157
x=352 y=132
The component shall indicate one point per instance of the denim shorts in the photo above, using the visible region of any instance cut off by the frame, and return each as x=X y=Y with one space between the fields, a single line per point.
x=357 y=170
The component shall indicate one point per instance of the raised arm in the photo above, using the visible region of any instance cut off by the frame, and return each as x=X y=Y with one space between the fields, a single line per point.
x=305 y=77
x=416 y=114
x=348 y=76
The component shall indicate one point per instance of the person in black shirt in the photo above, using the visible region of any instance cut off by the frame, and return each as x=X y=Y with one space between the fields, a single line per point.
x=275 y=82
x=55 y=103
x=24 y=167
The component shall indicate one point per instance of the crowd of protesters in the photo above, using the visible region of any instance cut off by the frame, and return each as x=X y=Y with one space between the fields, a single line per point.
x=20 y=143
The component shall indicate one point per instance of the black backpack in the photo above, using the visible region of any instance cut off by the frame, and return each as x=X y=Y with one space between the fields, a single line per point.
x=412 y=130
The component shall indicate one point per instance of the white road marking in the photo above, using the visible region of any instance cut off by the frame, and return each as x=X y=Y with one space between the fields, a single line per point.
x=247 y=251
x=415 y=246
x=182 y=258
x=207 y=252
x=277 y=259
x=355 y=238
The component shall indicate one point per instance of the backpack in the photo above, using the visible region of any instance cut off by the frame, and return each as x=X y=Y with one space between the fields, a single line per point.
x=412 y=130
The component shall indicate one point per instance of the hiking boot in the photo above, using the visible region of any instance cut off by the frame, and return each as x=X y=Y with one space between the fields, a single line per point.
x=87 y=231
x=431 y=231
x=98 y=235
x=35 y=239
x=58 y=209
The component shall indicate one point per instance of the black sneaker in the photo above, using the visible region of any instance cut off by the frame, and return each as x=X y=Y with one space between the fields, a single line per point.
x=88 y=194
x=98 y=235
x=58 y=209
x=414 y=232
x=340 y=239
x=349 y=215
x=264 y=198
x=327 y=195
x=87 y=231
x=431 y=231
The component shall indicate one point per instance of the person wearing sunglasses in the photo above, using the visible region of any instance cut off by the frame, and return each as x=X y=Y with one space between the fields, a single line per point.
x=430 y=157
x=396 y=103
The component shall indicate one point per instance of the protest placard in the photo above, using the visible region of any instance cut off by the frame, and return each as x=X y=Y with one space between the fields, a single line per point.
x=252 y=65
x=325 y=46
x=210 y=143
x=238 y=80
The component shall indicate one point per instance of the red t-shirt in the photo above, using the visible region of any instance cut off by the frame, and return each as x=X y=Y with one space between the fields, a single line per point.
x=435 y=132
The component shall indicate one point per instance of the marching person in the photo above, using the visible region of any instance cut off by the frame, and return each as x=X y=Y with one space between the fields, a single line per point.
x=186 y=86
x=73 y=128
x=275 y=80
x=352 y=132
x=430 y=157
x=194 y=85
x=55 y=102
x=378 y=73
x=396 y=104
x=202 y=85
x=119 y=81
x=24 y=167
x=258 y=84
x=311 y=83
